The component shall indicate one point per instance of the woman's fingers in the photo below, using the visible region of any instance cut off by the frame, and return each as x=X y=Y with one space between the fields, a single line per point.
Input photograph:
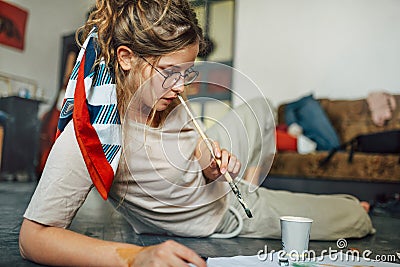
x=228 y=162
x=237 y=168
x=224 y=161
x=169 y=253
x=217 y=149
x=187 y=255
x=232 y=163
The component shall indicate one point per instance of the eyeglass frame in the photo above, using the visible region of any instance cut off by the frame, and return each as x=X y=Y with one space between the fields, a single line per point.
x=173 y=73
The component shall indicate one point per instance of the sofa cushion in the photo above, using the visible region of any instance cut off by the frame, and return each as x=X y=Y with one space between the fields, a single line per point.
x=352 y=117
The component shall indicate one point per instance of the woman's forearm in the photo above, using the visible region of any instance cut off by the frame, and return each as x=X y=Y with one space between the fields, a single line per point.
x=61 y=247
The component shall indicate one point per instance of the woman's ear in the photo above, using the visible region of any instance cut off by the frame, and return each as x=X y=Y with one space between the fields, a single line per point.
x=125 y=56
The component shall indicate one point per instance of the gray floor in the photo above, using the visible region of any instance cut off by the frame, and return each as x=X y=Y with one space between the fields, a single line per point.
x=97 y=219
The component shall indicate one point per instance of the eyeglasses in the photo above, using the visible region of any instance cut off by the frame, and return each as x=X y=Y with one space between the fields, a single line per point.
x=172 y=78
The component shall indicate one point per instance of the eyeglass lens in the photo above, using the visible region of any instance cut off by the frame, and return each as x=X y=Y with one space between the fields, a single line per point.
x=173 y=79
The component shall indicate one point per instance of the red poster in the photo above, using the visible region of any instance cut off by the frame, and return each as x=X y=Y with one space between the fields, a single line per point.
x=12 y=25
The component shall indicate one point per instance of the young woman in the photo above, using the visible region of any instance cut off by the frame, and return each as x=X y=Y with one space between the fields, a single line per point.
x=163 y=181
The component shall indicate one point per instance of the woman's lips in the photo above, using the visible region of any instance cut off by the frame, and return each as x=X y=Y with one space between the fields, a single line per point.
x=169 y=98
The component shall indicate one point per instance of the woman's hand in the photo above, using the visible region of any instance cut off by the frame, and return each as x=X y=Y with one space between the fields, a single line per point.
x=211 y=170
x=169 y=253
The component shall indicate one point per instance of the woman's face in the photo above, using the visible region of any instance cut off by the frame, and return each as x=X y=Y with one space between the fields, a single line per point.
x=179 y=61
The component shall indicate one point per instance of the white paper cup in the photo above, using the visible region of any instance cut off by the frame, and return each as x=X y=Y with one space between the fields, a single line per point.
x=295 y=232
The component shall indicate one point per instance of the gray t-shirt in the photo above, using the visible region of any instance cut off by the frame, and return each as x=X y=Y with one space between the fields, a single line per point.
x=158 y=178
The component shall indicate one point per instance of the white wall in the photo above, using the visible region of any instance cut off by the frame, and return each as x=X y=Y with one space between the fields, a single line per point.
x=335 y=48
x=48 y=21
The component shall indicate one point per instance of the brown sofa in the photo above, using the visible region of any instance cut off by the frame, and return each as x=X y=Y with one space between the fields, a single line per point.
x=349 y=118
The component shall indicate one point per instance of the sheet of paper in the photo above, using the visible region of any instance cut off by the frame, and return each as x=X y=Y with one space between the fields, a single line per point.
x=271 y=260
x=248 y=261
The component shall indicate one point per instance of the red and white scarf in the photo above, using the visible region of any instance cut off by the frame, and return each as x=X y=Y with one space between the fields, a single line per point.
x=91 y=102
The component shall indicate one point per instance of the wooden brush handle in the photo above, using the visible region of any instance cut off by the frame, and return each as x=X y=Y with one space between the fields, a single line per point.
x=227 y=176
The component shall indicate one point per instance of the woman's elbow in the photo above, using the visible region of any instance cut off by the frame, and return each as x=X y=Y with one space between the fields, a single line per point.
x=27 y=236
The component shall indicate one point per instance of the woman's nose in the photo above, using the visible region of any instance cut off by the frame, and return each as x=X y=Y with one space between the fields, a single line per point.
x=179 y=87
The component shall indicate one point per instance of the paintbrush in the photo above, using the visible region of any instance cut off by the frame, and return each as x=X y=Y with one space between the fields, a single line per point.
x=227 y=176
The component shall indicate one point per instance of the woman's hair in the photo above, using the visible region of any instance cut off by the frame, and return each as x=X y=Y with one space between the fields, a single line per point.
x=150 y=28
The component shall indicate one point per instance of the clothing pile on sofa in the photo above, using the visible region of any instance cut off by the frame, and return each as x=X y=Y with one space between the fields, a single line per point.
x=307 y=127
x=329 y=123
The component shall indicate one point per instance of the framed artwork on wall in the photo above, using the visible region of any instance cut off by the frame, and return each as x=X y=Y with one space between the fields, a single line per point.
x=12 y=25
